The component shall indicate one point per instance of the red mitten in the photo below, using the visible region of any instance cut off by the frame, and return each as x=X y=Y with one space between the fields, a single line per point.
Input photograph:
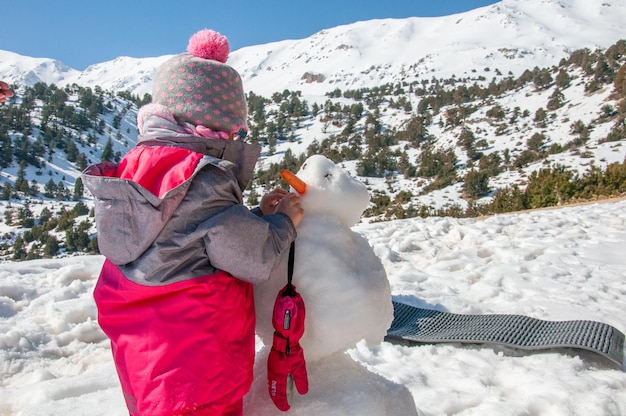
x=279 y=367
x=287 y=357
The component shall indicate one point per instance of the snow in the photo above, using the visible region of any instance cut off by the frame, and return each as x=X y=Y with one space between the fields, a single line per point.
x=556 y=264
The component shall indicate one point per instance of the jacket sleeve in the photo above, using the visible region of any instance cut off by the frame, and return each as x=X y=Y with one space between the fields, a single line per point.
x=245 y=245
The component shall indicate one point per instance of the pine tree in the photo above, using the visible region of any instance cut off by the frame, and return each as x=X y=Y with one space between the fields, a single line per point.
x=49 y=189
x=476 y=184
x=78 y=189
x=19 y=250
x=107 y=152
x=541 y=117
x=7 y=191
x=21 y=183
x=8 y=215
x=81 y=162
x=563 y=80
x=44 y=216
x=25 y=216
x=71 y=151
x=253 y=198
x=6 y=151
x=556 y=100
x=51 y=247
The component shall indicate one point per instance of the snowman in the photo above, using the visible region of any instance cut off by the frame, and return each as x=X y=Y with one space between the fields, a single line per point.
x=347 y=297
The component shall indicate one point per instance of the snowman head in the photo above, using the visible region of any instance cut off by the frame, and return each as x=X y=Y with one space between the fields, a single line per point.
x=331 y=191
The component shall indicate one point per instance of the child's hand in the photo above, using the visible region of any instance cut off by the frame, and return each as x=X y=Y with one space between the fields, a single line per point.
x=290 y=205
x=270 y=201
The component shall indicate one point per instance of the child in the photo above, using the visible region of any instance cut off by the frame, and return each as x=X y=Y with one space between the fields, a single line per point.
x=182 y=252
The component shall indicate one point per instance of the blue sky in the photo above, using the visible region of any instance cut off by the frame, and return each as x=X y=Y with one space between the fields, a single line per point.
x=84 y=32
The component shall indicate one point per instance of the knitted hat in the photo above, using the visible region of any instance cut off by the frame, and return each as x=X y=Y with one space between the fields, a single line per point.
x=199 y=88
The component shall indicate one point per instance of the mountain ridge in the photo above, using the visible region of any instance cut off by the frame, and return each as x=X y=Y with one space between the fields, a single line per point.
x=513 y=35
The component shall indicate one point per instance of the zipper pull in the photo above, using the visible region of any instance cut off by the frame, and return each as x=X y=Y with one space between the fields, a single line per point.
x=287 y=319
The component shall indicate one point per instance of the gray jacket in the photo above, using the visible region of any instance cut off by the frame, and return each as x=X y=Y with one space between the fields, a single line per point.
x=196 y=228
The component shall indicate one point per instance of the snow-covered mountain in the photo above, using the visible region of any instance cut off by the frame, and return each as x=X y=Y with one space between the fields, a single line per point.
x=19 y=69
x=511 y=36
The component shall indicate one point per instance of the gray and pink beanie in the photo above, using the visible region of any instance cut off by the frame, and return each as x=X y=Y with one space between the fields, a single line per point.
x=198 y=87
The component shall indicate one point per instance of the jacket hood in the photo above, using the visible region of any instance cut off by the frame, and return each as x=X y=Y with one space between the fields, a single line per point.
x=129 y=218
x=243 y=155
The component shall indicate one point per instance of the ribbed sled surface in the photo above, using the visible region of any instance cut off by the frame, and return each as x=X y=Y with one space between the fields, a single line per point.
x=419 y=325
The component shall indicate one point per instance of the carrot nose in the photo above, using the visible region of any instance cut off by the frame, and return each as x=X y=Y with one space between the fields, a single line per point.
x=293 y=181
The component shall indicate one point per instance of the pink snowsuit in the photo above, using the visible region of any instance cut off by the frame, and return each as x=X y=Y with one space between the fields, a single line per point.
x=175 y=233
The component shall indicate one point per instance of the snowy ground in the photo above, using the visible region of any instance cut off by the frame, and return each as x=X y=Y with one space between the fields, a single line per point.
x=556 y=264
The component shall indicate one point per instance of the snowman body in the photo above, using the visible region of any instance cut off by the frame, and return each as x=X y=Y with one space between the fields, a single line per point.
x=346 y=293
x=347 y=297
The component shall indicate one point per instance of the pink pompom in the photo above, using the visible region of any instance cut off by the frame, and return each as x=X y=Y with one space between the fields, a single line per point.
x=209 y=44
